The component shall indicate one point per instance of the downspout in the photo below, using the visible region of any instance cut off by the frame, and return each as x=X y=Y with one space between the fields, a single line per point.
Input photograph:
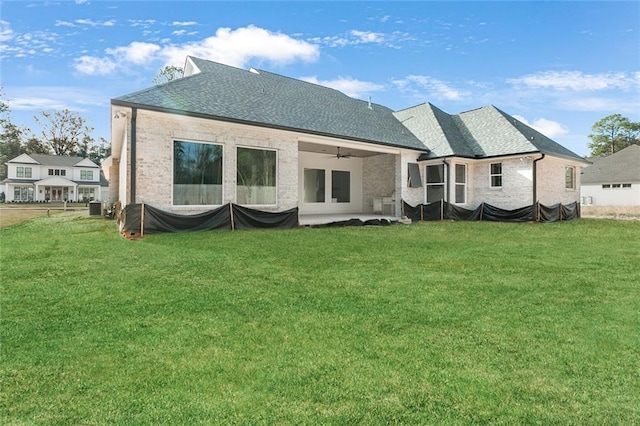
x=134 y=116
x=447 y=180
x=535 y=178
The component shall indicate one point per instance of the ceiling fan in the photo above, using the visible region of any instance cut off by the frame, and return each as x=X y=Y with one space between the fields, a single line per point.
x=339 y=156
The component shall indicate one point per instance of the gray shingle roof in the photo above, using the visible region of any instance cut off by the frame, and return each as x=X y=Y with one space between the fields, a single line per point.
x=264 y=98
x=482 y=132
x=621 y=167
x=55 y=160
x=267 y=99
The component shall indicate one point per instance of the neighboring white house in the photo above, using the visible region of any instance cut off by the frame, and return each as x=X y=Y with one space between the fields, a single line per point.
x=613 y=180
x=222 y=134
x=38 y=177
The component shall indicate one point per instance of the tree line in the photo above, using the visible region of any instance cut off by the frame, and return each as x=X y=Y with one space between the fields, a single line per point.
x=61 y=133
x=612 y=134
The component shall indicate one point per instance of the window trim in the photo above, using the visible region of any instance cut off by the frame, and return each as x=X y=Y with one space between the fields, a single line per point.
x=428 y=184
x=456 y=184
x=493 y=175
x=572 y=169
x=256 y=148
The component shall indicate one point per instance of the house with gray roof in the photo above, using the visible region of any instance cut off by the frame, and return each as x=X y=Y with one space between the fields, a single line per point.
x=613 y=180
x=221 y=134
x=39 y=177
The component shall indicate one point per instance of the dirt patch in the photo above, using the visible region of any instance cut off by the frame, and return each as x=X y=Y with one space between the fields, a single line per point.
x=611 y=212
x=13 y=214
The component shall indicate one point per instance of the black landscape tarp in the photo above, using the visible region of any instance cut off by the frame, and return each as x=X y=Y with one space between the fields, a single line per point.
x=156 y=220
x=246 y=218
x=442 y=210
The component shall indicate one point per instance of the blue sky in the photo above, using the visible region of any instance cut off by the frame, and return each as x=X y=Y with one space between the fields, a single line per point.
x=559 y=66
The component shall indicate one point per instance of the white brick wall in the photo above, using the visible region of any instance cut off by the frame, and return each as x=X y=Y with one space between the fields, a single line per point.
x=154 y=156
x=517 y=183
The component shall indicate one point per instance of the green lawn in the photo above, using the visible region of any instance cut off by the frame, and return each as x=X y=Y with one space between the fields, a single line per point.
x=430 y=323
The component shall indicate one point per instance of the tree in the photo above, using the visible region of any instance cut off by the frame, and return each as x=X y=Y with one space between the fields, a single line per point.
x=11 y=138
x=168 y=73
x=66 y=132
x=613 y=133
x=33 y=145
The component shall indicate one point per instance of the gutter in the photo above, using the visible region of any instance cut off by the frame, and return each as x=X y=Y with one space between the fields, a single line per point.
x=134 y=116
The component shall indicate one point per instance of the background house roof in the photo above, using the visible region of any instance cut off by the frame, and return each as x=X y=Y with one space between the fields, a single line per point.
x=54 y=160
x=263 y=98
x=621 y=167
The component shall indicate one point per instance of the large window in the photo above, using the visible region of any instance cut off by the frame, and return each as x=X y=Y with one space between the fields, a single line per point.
x=314 y=185
x=435 y=183
x=86 y=175
x=256 y=176
x=570 y=177
x=86 y=194
x=197 y=173
x=496 y=175
x=340 y=186
x=23 y=172
x=461 y=183
x=23 y=193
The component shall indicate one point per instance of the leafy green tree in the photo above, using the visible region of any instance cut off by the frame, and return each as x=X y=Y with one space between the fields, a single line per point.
x=11 y=137
x=33 y=145
x=168 y=73
x=613 y=133
x=66 y=132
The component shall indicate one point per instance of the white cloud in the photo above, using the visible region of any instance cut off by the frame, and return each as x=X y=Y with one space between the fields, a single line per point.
x=434 y=88
x=367 y=37
x=238 y=47
x=92 y=23
x=548 y=128
x=577 y=81
x=95 y=66
x=6 y=33
x=355 y=37
x=227 y=46
x=183 y=24
x=40 y=98
x=349 y=86
x=135 y=53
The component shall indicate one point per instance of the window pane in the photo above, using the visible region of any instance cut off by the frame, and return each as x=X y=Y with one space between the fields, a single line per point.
x=435 y=193
x=197 y=173
x=461 y=172
x=415 y=180
x=496 y=181
x=19 y=172
x=435 y=174
x=256 y=176
x=568 y=178
x=27 y=172
x=496 y=168
x=340 y=186
x=460 y=193
x=63 y=172
x=314 y=186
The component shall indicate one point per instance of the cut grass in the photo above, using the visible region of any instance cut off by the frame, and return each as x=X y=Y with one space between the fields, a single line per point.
x=451 y=322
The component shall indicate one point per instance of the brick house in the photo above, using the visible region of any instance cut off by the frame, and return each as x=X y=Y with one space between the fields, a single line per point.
x=222 y=134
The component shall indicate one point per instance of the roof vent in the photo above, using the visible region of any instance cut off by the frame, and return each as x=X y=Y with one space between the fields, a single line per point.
x=369 y=105
x=255 y=71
